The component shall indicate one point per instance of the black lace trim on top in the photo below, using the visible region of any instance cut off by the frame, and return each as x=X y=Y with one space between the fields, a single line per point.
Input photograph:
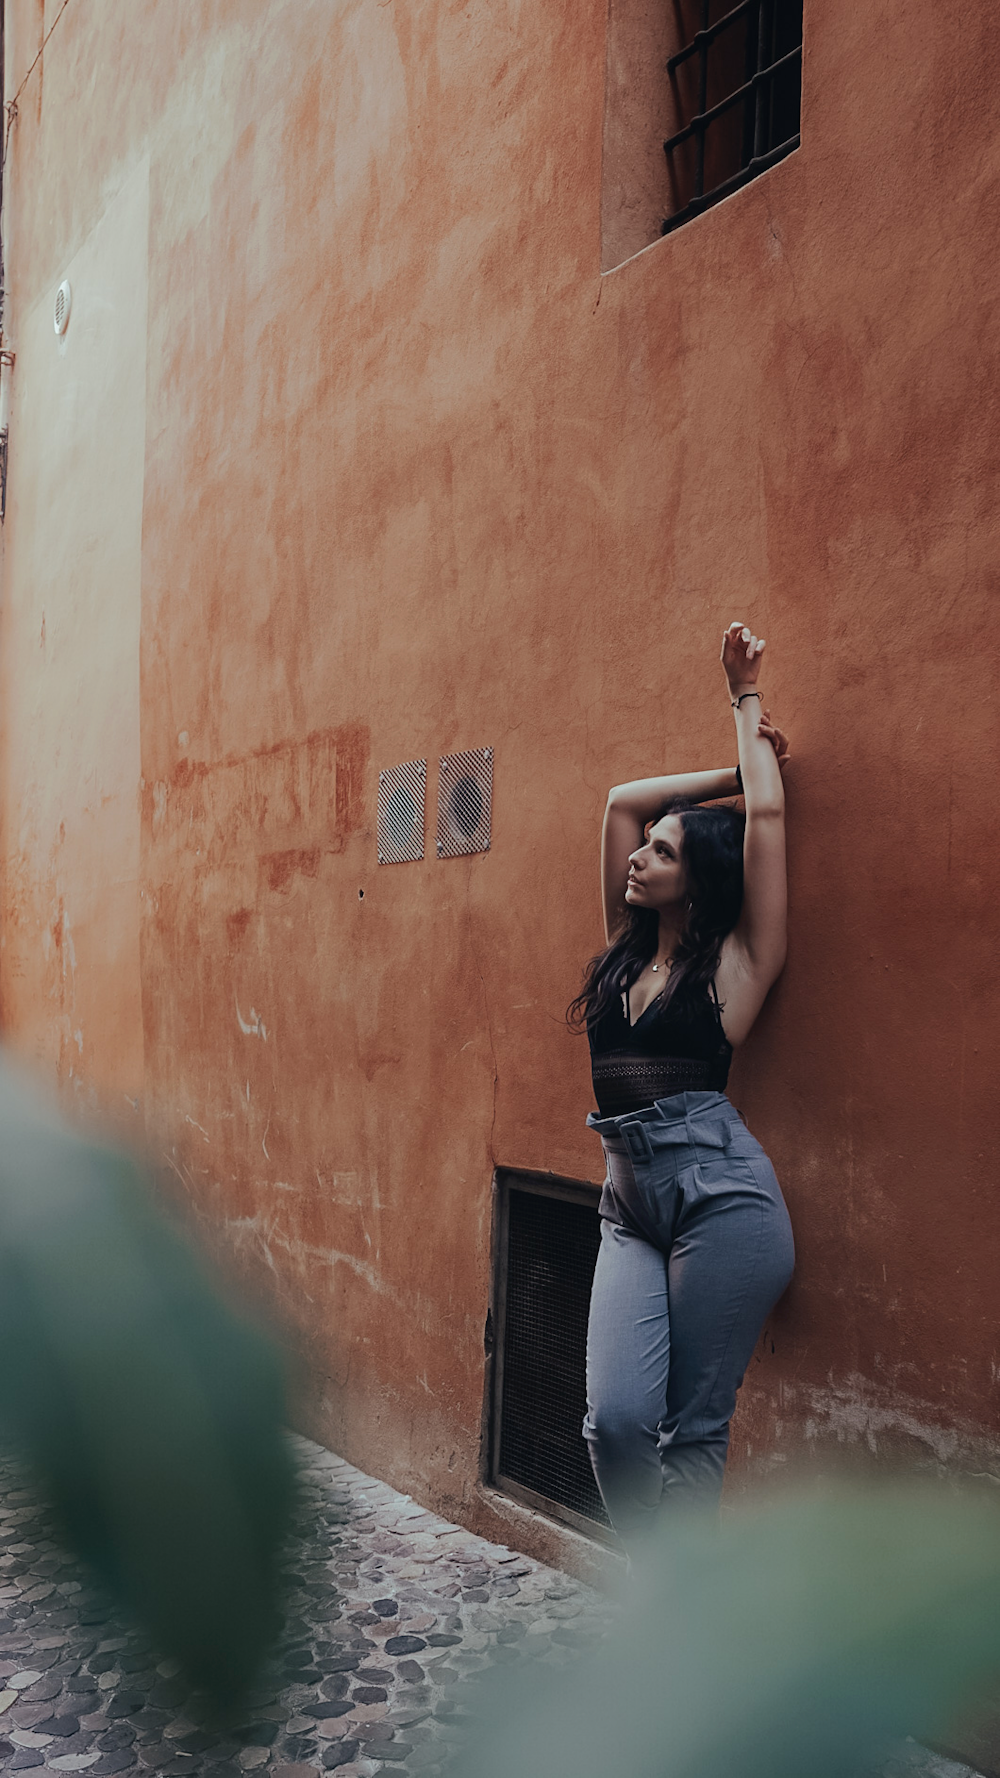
x=624 y=1081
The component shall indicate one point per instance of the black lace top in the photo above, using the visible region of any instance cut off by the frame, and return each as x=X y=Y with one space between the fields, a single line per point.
x=681 y=1050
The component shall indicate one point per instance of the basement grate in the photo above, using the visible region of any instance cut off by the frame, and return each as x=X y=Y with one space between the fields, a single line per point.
x=401 y=794
x=465 y=801
x=547 y=1237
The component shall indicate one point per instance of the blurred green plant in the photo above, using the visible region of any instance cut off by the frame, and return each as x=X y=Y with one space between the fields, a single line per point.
x=151 y=1412
x=800 y=1639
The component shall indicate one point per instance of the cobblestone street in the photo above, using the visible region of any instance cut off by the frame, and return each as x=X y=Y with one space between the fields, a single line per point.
x=392 y=1612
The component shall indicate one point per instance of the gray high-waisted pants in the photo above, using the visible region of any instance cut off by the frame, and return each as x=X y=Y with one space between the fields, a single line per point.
x=696 y=1247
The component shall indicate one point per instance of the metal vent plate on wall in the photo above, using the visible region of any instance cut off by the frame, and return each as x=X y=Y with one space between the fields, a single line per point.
x=401 y=797
x=547 y=1239
x=61 y=307
x=465 y=802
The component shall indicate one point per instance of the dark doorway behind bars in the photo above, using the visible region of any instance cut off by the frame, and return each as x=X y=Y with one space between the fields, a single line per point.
x=737 y=84
x=546 y=1236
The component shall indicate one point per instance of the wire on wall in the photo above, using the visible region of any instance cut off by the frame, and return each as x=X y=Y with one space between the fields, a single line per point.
x=41 y=52
x=6 y=355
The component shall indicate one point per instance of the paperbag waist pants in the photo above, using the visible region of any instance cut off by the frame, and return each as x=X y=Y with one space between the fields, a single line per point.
x=696 y=1247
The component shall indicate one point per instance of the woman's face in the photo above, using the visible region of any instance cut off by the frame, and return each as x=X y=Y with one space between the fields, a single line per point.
x=656 y=875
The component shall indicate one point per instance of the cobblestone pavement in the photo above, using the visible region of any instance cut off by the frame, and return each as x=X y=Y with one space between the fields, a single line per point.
x=392 y=1611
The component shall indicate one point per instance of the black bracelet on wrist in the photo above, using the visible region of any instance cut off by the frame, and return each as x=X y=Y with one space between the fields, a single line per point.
x=736 y=702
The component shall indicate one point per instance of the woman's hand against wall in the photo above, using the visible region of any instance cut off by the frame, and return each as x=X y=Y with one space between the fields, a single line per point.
x=741 y=652
x=777 y=737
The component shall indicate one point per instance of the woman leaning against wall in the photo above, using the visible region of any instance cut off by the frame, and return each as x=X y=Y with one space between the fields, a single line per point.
x=696 y=1244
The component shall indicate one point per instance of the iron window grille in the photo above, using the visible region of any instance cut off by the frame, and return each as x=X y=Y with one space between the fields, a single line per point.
x=546 y=1234
x=738 y=83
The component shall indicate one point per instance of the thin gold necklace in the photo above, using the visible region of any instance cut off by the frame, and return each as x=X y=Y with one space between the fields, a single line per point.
x=667 y=961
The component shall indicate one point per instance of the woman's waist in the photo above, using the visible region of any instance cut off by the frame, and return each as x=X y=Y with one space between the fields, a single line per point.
x=692 y=1118
x=606 y=1061
x=684 y=1151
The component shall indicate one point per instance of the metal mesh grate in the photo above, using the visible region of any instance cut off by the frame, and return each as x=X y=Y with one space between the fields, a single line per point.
x=545 y=1275
x=401 y=793
x=465 y=799
x=61 y=307
x=738 y=82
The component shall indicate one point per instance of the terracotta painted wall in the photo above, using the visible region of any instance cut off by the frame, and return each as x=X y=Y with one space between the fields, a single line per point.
x=353 y=456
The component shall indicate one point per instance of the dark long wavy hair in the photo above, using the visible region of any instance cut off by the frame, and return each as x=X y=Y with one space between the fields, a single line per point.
x=713 y=864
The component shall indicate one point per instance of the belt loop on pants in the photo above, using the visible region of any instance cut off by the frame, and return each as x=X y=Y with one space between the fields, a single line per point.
x=637 y=1141
x=706 y=1132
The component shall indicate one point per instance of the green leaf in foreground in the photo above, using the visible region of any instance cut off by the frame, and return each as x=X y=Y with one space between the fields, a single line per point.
x=796 y=1640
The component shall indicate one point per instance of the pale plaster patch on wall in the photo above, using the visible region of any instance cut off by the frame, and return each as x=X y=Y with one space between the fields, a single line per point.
x=256 y=1231
x=350 y=1187
x=855 y=1411
x=371 y=109
x=160 y=793
x=331 y=1256
x=72 y=742
x=424 y=1311
x=68 y=947
x=199 y=127
x=254 y=1028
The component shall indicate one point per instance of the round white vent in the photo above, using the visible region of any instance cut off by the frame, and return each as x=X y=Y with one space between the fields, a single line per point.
x=63 y=304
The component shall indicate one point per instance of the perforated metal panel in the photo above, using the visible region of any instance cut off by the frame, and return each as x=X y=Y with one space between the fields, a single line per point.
x=465 y=800
x=61 y=307
x=401 y=796
x=547 y=1240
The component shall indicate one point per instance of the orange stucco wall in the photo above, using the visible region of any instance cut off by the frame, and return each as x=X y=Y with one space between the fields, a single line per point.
x=350 y=455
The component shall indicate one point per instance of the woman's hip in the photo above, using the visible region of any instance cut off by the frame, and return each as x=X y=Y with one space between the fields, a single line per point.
x=685 y=1156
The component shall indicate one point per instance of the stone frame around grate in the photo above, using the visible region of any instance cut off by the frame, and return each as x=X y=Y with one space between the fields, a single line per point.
x=574 y=1191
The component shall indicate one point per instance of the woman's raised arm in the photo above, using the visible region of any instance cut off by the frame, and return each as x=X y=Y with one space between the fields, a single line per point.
x=630 y=808
x=754 y=954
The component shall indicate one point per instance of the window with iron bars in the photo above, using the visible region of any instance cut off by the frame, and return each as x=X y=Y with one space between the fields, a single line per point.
x=736 y=84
